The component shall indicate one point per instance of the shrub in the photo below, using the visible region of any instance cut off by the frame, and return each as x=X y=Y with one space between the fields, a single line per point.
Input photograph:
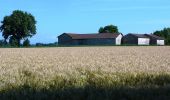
x=26 y=43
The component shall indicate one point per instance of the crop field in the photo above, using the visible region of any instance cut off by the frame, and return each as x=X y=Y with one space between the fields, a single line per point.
x=87 y=73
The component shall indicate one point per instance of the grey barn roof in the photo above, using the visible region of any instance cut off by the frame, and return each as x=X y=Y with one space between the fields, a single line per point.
x=147 y=36
x=139 y=35
x=154 y=36
x=93 y=36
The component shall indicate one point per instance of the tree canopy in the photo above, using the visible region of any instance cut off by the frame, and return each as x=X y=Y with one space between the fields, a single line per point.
x=19 y=25
x=164 y=33
x=109 y=29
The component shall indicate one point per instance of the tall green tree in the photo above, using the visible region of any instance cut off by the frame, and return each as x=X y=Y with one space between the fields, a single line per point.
x=165 y=33
x=109 y=29
x=17 y=26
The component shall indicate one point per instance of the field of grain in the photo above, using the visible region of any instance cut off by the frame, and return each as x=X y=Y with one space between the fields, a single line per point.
x=39 y=67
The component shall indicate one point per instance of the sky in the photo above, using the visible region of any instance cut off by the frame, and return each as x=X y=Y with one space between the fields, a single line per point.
x=55 y=17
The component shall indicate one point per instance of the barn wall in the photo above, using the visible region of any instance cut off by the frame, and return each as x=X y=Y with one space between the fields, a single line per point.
x=64 y=39
x=143 y=41
x=75 y=42
x=130 y=39
x=160 y=42
x=119 y=39
x=153 y=41
x=99 y=42
x=93 y=42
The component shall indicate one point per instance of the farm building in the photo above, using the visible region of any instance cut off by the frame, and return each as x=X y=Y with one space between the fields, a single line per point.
x=90 y=39
x=156 y=40
x=136 y=39
x=143 y=39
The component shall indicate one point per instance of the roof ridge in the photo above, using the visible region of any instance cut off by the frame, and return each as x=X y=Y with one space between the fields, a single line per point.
x=92 y=35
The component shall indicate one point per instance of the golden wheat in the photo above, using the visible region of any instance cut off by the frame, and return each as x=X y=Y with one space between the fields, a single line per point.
x=46 y=63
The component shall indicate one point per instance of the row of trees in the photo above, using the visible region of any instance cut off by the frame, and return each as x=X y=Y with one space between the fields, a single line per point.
x=3 y=43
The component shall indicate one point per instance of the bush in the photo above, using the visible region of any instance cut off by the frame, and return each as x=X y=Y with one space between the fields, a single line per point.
x=3 y=43
x=26 y=43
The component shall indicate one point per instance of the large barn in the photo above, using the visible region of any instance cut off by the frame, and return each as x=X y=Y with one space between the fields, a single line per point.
x=143 y=39
x=90 y=39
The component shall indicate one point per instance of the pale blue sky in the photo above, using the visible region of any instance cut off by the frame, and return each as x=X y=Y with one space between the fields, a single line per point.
x=86 y=16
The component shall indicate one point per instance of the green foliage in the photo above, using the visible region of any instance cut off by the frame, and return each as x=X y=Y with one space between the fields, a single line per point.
x=26 y=43
x=101 y=30
x=164 y=33
x=2 y=43
x=18 y=25
x=109 y=29
x=13 y=42
x=46 y=44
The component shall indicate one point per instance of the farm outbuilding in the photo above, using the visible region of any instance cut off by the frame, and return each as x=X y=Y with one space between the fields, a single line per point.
x=156 y=40
x=143 y=39
x=90 y=39
x=136 y=39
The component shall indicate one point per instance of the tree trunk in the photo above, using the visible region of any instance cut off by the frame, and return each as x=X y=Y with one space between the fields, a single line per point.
x=18 y=42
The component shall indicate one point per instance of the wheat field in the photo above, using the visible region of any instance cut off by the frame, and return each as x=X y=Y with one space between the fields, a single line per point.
x=47 y=62
x=39 y=66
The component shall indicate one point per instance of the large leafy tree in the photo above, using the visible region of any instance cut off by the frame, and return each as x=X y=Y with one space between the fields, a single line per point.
x=109 y=29
x=164 y=33
x=19 y=25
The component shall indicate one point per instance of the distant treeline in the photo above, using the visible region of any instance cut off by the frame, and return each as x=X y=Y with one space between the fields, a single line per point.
x=26 y=43
x=46 y=44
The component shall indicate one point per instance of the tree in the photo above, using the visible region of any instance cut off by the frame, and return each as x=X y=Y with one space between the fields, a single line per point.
x=109 y=29
x=13 y=41
x=26 y=43
x=165 y=33
x=19 y=25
